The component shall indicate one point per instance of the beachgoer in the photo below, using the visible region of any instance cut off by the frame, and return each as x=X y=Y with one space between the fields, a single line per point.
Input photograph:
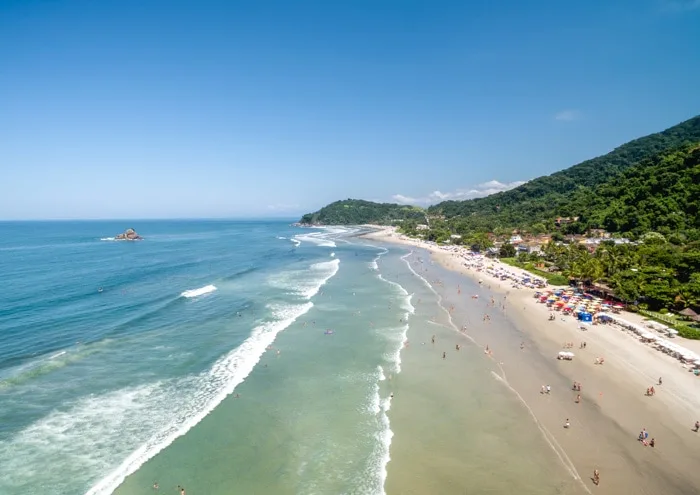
x=155 y=485
x=549 y=389
x=652 y=442
x=697 y=426
x=578 y=399
x=660 y=381
x=567 y=424
x=433 y=339
x=542 y=389
x=596 y=476
x=444 y=355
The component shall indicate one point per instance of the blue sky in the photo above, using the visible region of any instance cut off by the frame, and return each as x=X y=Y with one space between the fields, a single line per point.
x=132 y=109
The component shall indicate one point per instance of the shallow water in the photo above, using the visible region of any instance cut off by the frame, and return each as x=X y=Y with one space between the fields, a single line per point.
x=244 y=357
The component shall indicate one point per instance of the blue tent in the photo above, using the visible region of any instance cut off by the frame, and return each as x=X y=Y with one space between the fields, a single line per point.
x=585 y=317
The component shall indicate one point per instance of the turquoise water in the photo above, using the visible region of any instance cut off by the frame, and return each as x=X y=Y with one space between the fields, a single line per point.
x=111 y=351
x=248 y=357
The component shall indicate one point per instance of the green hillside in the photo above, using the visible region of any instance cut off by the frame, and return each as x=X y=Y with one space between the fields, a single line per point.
x=659 y=194
x=541 y=200
x=357 y=212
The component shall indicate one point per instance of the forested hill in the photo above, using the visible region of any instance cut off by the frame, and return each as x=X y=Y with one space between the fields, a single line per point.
x=543 y=198
x=660 y=194
x=358 y=212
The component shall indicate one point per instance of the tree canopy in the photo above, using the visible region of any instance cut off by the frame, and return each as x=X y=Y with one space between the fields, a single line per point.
x=535 y=205
x=358 y=212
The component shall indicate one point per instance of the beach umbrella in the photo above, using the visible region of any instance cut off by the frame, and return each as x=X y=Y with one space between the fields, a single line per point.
x=688 y=312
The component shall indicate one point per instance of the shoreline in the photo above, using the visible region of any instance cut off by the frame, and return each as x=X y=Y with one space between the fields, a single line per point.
x=613 y=406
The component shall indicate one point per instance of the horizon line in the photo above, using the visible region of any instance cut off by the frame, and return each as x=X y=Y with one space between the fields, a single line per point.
x=146 y=219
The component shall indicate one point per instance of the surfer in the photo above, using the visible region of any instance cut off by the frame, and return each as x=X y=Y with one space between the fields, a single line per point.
x=155 y=485
x=99 y=289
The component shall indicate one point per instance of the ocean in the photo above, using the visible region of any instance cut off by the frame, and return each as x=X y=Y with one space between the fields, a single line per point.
x=240 y=357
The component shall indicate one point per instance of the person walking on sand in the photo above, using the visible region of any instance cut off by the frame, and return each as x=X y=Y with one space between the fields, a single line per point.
x=596 y=477
x=433 y=339
x=697 y=426
x=660 y=381
x=567 y=424
x=578 y=399
x=444 y=355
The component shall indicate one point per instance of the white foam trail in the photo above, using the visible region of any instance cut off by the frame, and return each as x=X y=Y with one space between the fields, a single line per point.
x=383 y=446
x=307 y=283
x=281 y=238
x=382 y=377
x=211 y=388
x=108 y=239
x=296 y=242
x=375 y=401
x=316 y=238
x=198 y=292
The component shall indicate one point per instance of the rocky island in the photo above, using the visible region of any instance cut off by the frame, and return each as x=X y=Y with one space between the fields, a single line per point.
x=128 y=235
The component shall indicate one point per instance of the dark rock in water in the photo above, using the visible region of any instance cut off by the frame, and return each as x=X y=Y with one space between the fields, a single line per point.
x=129 y=235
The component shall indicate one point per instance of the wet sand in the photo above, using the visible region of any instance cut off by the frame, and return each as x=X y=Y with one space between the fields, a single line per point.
x=613 y=409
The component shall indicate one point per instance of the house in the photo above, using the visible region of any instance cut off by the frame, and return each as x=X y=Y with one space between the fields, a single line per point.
x=515 y=239
x=422 y=226
x=531 y=247
x=565 y=220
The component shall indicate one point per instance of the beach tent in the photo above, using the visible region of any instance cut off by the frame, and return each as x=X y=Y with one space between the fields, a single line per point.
x=586 y=317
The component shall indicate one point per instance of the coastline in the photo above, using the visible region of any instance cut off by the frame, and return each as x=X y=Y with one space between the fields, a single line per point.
x=613 y=407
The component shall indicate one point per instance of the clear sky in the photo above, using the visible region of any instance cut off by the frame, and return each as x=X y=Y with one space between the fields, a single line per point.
x=133 y=108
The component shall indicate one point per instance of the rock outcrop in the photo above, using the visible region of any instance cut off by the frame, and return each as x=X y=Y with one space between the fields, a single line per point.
x=129 y=235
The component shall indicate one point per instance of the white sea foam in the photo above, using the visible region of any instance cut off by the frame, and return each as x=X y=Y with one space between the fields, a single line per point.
x=207 y=391
x=306 y=283
x=108 y=239
x=380 y=456
x=118 y=431
x=318 y=238
x=199 y=292
x=332 y=255
x=296 y=242
x=381 y=373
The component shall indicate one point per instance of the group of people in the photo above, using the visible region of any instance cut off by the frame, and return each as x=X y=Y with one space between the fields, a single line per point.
x=643 y=437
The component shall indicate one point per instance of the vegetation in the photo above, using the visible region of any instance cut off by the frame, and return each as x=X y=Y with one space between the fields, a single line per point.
x=650 y=274
x=358 y=212
x=535 y=205
x=647 y=190
x=683 y=329
x=551 y=278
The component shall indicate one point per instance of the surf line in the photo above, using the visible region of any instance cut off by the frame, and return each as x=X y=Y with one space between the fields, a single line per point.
x=549 y=438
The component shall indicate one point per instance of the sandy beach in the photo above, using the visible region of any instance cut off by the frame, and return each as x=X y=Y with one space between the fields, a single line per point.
x=613 y=409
